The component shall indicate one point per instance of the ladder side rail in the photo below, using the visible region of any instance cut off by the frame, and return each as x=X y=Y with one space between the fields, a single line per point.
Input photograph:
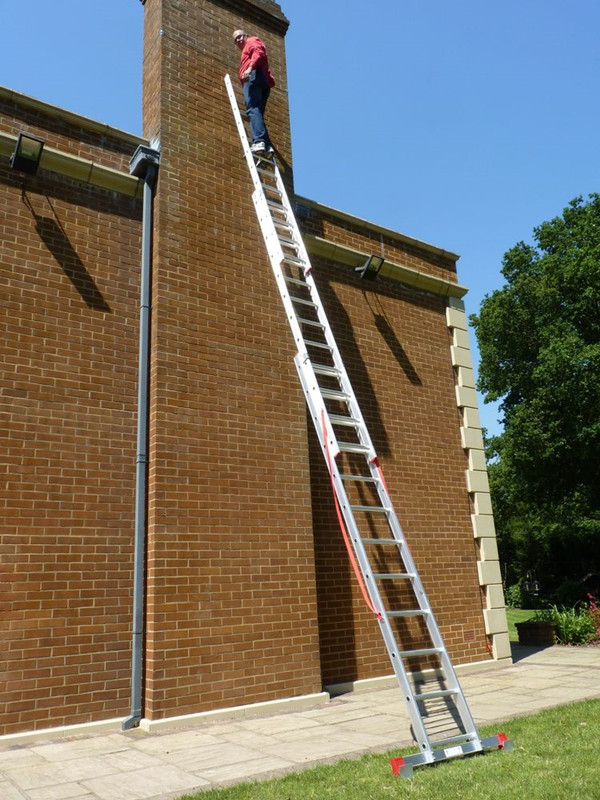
x=242 y=133
x=314 y=400
x=355 y=411
x=354 y=408
x=424 y=604
x=276 y=257
x=297 y=235
x=452 y=681
x=398 y=534
x=316 y=409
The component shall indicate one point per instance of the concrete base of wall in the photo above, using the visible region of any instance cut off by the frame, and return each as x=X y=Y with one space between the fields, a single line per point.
x=236 y=712
x=159 y=725
x=61 y=732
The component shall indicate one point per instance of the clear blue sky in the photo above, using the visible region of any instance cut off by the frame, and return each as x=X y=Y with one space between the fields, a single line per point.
x=464 y=123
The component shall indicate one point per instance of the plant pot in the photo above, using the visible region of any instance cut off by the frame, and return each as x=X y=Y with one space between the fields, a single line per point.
x=536 y=633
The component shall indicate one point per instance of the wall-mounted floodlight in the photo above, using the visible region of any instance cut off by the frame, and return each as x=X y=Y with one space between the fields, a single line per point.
x=27 y=154
x=370 y=269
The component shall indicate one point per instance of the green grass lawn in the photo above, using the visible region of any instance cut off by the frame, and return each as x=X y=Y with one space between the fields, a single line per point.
x=555 y=757
x=516 y=615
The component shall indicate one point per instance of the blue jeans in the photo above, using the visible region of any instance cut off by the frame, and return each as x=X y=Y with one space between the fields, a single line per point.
x=256 y=93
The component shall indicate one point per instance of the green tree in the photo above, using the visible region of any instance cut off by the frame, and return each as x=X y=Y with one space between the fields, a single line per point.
x=539 y=340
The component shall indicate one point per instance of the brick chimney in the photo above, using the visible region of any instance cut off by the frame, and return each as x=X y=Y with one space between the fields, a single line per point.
x=231 y=602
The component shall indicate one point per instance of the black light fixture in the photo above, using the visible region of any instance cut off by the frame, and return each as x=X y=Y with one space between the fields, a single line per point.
x=370 y=269
x=531 y=585
x=27 y=154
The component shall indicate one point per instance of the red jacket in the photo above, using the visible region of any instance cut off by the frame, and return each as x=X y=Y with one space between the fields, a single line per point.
x=254 y=55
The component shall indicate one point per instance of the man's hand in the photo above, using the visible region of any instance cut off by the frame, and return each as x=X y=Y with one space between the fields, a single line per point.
x=246 y=74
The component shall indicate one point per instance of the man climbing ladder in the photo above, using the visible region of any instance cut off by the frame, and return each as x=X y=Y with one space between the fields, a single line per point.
x=257 y=83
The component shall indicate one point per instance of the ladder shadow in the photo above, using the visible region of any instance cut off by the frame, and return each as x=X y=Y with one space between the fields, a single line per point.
x=342 y=327
x=335 y=593
x=334 y=577
x=389 y=336
x=441 y=715
x=56 y=240
x=396 y=595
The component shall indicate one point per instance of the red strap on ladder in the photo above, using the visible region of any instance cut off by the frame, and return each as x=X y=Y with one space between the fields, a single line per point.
x=340 y=517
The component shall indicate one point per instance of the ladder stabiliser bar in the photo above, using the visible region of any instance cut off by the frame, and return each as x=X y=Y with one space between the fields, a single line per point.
x=403 y=765
x=441 y=722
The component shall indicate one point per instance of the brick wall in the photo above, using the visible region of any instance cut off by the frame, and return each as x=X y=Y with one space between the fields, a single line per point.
x=69 y=257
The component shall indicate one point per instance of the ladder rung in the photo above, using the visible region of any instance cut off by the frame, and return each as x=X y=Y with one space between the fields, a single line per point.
x=380 y=541
x=392 y=576
x=275 y=206
x=336 y=419
x=334 y=394
x=294 y=260
x=310 y=343
x=371 y=509
x=262 y=157
x=348 y=447
x=463 y=737
x=425 y=651
x=311 y=322
x=412 y=613
x=437 y=694
x=360 y=478
x=295 y=281
x=323 y=369
x=283 y=228
x=303 y=302
x=288 y=242
x=268 y=172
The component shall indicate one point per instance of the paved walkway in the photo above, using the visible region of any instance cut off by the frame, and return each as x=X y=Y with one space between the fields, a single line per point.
x=136 y=766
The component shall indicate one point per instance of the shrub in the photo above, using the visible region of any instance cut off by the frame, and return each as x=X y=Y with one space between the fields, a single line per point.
x=516 y=596
x=574 y=625
x=513 y=596
x=594 y=612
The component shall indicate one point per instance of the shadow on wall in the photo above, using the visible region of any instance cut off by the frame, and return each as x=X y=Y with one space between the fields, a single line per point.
x=54 y=237
x=399 y=353
x=347 y=343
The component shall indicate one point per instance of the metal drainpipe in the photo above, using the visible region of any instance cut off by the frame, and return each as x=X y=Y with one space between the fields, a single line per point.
x=144 y=164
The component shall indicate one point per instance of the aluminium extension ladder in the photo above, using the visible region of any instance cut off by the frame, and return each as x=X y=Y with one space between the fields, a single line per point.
x=442 y=724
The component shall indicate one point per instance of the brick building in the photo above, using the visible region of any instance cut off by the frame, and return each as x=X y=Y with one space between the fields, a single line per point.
x=247 y=594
